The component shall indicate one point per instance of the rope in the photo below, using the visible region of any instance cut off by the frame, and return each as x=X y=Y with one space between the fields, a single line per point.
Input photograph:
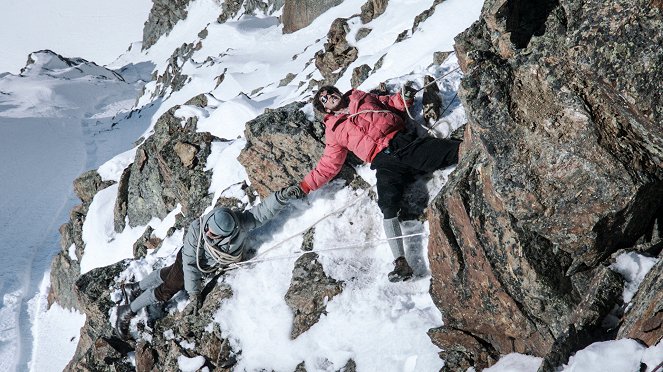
x=222 y=259
x=239 y=265
x=657 y=367
x=407 y=110
x=365 y=111
x=430 y=130
x=313 y=224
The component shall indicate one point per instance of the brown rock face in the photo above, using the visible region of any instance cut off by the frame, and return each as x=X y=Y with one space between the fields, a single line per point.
x=561 y=167
x=298 y=14
x=282 y=147
x=338 y=53
x=309 y=292
x=644 y=321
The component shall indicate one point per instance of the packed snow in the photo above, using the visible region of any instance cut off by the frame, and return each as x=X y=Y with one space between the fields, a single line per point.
x=380 y=325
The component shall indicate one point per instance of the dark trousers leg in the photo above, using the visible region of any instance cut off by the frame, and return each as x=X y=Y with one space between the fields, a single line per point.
x=429 y=154
x=392 y=176
x=173 y=280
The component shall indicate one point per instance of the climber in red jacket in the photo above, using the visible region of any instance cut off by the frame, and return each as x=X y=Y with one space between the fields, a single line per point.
x=373 y=128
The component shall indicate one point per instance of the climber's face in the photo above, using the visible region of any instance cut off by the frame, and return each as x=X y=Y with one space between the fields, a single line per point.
x=331 y=102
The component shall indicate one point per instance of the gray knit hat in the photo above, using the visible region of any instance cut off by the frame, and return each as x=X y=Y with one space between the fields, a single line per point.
x=221 y=222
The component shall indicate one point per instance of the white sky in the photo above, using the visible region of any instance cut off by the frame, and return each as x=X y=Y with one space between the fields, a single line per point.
x=96 y=30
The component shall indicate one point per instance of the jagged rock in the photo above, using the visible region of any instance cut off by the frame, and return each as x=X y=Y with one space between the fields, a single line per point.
x=561 y=167
x=307 y=243
x=282 y=146
x=298 y=14
x=231 y=8
x=98 y=349
x=287 y=79
x=75 y=226
x=372 y=9
x=425 y=14
x=146 y=357
x=431 y=101
x=186 y=153
x=337 y=54
x=120 y=210
x=644 y=320
x=88 y=184
x=362 y=33
x=158 y=179
x=309 y=292
x=170 y=332
x=163 y=16
x=144 y=243
x=462 y=349
x=440 y=57
x=601 y=289
x=172 y=79
x=359 y=74
x=64 y=273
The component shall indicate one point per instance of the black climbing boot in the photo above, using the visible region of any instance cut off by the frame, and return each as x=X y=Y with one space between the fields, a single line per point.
x=402 y=270
x=124 y=316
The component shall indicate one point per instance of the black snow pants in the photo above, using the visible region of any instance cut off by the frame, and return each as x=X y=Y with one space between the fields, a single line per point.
x=406 y=157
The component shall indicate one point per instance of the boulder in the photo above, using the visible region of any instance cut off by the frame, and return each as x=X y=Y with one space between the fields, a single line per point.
x=309 y=292
x=298 y=14
x=337 y=54
x=159 y=178
x=88 y=184
x=282 y=146
x=163 y=16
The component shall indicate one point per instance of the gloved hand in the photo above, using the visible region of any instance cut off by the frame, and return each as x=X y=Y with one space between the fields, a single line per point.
x=408 y=91
x=195 y=304
x=289 y=193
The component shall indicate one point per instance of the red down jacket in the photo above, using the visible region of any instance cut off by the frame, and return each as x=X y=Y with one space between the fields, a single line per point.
x=371 y=123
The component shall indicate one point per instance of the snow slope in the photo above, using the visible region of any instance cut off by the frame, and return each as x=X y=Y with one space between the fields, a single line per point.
x=55 y=123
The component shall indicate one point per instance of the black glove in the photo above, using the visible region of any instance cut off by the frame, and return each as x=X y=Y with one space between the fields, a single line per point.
x=408 y=91
x=195 y=304
x=289 y=193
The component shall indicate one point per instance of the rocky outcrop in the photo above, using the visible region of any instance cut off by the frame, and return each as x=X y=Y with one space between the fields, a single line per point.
x=282 y=146
x=372 y=9
x=644 y=320
x=231 y=8
x=163 y=16
x=298 y=14
x=65 y=267
x=309 y=292
x=561 y=167
x=162 y=177
x=337 y=54
x=100 y=350
x=172 y=79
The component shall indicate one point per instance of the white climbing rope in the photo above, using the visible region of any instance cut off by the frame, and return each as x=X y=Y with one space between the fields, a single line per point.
x=407 y=110
x=223 y=259
x=239 y=265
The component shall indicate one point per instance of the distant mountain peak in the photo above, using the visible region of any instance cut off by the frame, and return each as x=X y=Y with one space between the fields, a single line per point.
x=48 y=63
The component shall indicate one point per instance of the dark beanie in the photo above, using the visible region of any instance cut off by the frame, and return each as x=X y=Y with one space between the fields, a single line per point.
x=221 y=223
